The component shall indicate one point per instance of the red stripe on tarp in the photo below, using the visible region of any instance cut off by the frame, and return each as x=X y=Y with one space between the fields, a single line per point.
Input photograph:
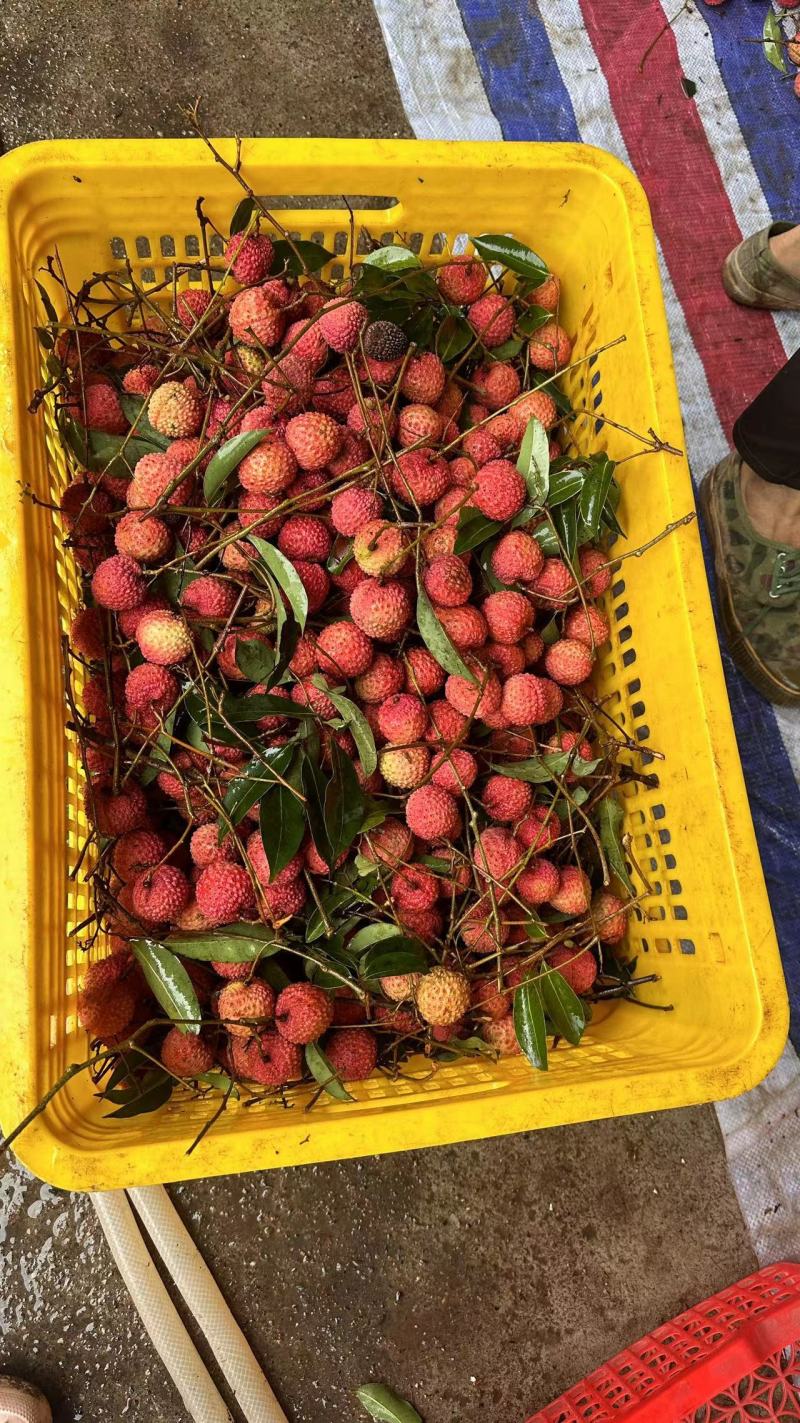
x=740 y=349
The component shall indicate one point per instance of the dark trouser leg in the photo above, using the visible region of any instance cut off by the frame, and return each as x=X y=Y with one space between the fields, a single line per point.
x=767 y=434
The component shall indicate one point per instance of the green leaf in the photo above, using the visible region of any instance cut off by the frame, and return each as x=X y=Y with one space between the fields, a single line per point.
x=436 y=639
x=255 y=660
x=272 y=972
x=360 y=728
x=594 y=494
x=319 y=921
x=172 y=581
x=245 y=709
x=384 y=1404
x=688 y=86
x=496 y=247
x=392 y=259
x=344 y=802
x=506 y=352
x=314 y=788
x=169 y=983
x=299 y=256
x=325 y=1073
x=282 y=823
x=533 y=318
x=234 y=943
x=152 y=1091
x=219 y=1080
x=609 y=820
x=392 y=956
x=158 y=751
x=242 y=215
x=537 y=769
x=420 y=327
x=534 y=461
x=340 y=555
x=453 y=337
x=253 y=781
x=565 y=523
x=564 y=484
x=551 y=632
x=286 y=576
x=529 y=1023
x=227 y=458
x=50 y=311
x=372 y=934
x=547 y=540
x=474 y=529
x=116 y=454
x=773 y=41
x=134 y=408
x=562 y=1005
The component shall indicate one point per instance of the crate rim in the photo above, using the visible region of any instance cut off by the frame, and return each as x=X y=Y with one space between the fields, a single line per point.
x=43 y=1149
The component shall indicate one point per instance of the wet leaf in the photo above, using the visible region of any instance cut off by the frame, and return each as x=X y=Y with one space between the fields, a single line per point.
x=242 y=214
x=474 y=529
x=773 y=37
x=255 y=660
x=392 y=956
x=436 y=639
x=325 y=1073
x=534 y=461
x=565 y=523
x=392 y=259
x=547 y=540
x=385 y=1405
x=286 y=576
x=233 y=943
x=299 y=256
x=254 y=780
x=372 y=934
x=562 y=1005
x=609 y=820
x=152 y=1091
x=282 y=822
x=594 y=494
x=360 y=729
x=453 y=337
x=344 y=803
x=537 y=769
x=169 y=983
x=227 y=458
x=532 y=319
x=529 y=1023
x=564 y=485
x=496 y=247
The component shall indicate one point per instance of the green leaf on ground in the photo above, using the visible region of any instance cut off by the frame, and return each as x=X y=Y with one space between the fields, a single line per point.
x=385 y=1405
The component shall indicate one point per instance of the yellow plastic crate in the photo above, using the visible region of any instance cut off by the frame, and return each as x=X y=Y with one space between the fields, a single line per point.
x=708 y=930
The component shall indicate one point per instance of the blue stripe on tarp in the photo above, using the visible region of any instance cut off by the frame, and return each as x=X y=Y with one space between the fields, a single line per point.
x=764 y=103
x=521 y=78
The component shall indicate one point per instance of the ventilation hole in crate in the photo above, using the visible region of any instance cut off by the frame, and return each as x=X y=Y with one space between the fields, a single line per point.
x=216 y=245
x=279 y=202
x=658 y=812
x=365 y=243
x=148 y=275
x=642 y=732
x=618 y=589
x=387 y=239
x=629 y=657
x=167 y=245
x=595 y=380
x=610 y=668
x=653 y=865
x=621 y=612
x=169 y=274
x=340 y=242
x=637 y=710
x=645 y=946
x=679 y=911
x=626 y=633
x=118 y=249
x=663 y=946
x=596 y=403
x=716 y=945
x=637 y=817
x=657 y=911
x=675 y=886
x=143 y=247
x=670 y=862
x=656 y=886
x=460 y=243
x=686 y=946
x=415 y=242
x=195 y=278
x=319 y=238
x=337 y=272
x=634 y=686
x=294 y=236
x=438 y=244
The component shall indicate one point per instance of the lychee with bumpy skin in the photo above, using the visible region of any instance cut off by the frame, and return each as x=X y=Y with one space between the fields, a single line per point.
x=191 y=307
x=305 y=536
x=352 y=1053
x=267 y=1058
x=555 y=586
x=249 y=257
x=534 y=405
x=138 y=850
x=497 y=852
x=414 y=887
x=524 y=700
x=205 y=847
x=341 y=323
x=140 y=380
x=507 y=799
x=539 y=830
x=481 y=447
x=442 y=996
x=425 y=924
x=496 y=384
x=587 y=624
x=423 y=379
x=143 y=538
x=462 y=279
x=86 y=634
x=314 y=439
x=418 y=477
x=507 y=658
x=380 y=549
x=315 y=581
x=595 y=572
x=448 y=726
x=343 y=650
x=509 y=616
x=353 y=508
x=187 y=1055
x=163 y=637
x=574 y=892
x=305 y=693
x=550 y=348
x=210 y=598
x=118 y=583
x=569 y=662
x=447 y=581
x=385 y=341
x=156 y=473
x=487 y=998
x=150 y=686
x=286 y=387
x=492 y=319
x=224 y=892
x=244 y=1007
x=381 y=610
x=404 y=766
x=465 y=626
x=307 y=342
x=609 y=915
x=118 y=812
x=160 y=894
x=499 y=491
x=502 y=1036
x=390 y=843
x=400 y=986
x=269 y=468
x=403 y=718
x=423 y=675
x=577 y=966
x=418 y=425
x=106 y=1012
x=538 y=882
x=175 y=410
x=432 y=813
x=474 y=695
x=454 y=771
x=381 y=680
x=547 y=294
x=256 y=319
x=303 y=1012
x=86 y=507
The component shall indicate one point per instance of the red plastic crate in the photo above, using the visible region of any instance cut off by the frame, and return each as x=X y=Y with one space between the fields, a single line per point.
x=732 y=1359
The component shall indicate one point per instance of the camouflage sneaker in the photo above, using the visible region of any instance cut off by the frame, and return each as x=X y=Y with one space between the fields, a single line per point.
x=751 y=275
x=759 y=588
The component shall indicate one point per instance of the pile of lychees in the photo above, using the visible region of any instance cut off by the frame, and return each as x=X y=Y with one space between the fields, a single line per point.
x=347 y=780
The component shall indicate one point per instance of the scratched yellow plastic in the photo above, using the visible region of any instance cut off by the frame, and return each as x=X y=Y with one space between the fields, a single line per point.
x=707 y=928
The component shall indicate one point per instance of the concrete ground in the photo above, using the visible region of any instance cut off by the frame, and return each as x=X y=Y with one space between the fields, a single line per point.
x=478 y=1280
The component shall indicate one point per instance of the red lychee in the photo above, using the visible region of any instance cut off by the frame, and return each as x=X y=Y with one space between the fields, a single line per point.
x=249 y=257
x=517 y=557
x=507 y=799
x=500 y=490
x=381 y=610
x=342 y=322
x=352 y=1052
x=403 y=718
x=160 y=894
x=550 y=348
x=186 y=1054
x=343 y=650
x=303 y=1012
x=448 y=582
x=432 y=813
x=569 y=662
x=224 y=892
x=118 y=583
x=577 y=966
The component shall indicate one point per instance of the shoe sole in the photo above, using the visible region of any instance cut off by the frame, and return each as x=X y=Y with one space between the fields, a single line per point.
x=748 y=664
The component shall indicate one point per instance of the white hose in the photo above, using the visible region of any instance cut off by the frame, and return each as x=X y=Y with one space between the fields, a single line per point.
x=159 y=1316
x=204 y=1298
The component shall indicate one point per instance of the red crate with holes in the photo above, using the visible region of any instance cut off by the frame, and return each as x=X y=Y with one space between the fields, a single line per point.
x=734 y=1358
